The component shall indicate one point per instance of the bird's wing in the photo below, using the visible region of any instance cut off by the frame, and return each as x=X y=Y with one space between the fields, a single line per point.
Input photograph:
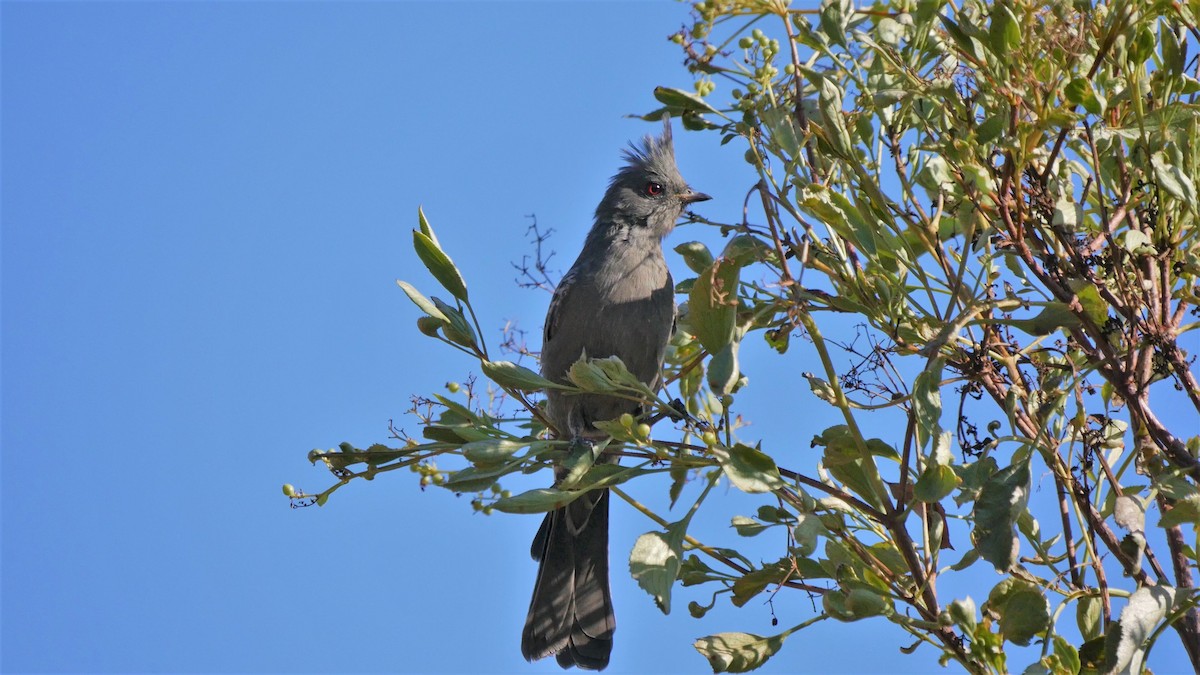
x=557 y=303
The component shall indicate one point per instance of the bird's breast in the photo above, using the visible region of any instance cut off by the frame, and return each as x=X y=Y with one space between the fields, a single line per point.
x=627 y=280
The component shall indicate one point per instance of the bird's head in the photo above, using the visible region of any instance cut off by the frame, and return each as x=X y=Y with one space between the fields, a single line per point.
x=648 y=194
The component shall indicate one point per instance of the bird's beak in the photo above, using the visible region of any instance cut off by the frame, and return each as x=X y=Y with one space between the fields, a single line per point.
x=691 y=197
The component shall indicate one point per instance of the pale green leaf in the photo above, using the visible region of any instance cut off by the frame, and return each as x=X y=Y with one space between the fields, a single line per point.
x=1000 y=503
x=539 y=500
x=439 y=265
x=1125 y=643
x=737 y=652
x=422 y=302
x=655 y=563
x=696 y=255
x=491 y=451
x=712 y=305
x=514 y=376
x=749 y=469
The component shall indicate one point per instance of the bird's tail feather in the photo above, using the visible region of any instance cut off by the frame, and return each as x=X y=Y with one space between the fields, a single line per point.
x=571 y=612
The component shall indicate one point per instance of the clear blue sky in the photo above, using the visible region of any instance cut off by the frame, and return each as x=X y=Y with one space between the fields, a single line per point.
x=205 y=206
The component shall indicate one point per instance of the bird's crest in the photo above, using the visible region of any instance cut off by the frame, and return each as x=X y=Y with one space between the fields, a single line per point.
x=651 y=154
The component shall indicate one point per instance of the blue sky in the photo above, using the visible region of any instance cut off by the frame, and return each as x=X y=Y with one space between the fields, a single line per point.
x=205 y=207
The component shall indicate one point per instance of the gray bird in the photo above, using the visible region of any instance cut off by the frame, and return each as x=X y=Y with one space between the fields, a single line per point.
x=616 y=300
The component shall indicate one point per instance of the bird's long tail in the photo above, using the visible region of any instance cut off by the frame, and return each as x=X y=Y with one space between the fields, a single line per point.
x=571 y=612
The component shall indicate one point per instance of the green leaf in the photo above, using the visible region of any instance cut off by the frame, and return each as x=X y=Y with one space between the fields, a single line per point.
x=1079 y=91
x=806 y=531
x=927 y=402
x=863 y=603
x=1066 y=656
x=1004 y=34
x=723 y=373
x=1186 y=510
x=429 y=326
x=695 y=255
x=655 y=562
x=581 y=456
x=835 y=19
x=679 y=101
x=712 y=305
x=821 y=388
x=540 y=500
x=426 y=229
x=841 y=215
x=512 y=376
x=423 y=303
x=781 y=124
x=1067 y=214
x=747 y=527
x=1000 y=503
x=1136 y=242
x=829 y=100
x=442 y=434
x=890 y=31
x=1130 y=513
x=756 y=581
x=738 y=652
x=604 y=375
x=490 y=452
x=694 y=571
x=1173 y=179
x=744 y=249
x=1024 y=612
x=935 y=483
x=856 y=603
x=845 y=461
x=477 y=479
x=1091 y=655
x=1125 y=645
x=1088 y=611
x=749 y=469
x=1089 y=298
x=957 y=33
x=439 y=265
x=991 y=128
x=1053 y=316
x=963 y=614
x=457 y=330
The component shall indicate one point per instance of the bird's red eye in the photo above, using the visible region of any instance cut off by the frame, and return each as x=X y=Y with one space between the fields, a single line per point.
x=654 y=189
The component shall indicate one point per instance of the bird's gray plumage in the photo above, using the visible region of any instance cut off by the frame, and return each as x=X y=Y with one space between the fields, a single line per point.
x=616 y=300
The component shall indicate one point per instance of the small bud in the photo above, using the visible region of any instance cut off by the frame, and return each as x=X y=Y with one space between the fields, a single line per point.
x=642 y=432
x=429 y=325
x=288 y=490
